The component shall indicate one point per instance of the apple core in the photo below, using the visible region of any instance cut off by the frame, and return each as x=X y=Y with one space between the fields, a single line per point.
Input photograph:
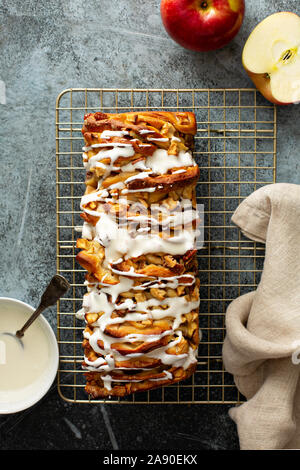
x=271 y=57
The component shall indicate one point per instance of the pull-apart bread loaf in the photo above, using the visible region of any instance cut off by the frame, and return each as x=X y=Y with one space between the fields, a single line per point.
x=138 y=247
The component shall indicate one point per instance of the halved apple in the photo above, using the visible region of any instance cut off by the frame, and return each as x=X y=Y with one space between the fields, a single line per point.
x=271 y=57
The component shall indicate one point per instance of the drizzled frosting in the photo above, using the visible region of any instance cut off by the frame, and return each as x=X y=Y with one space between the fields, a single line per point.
x=120 y=245
x=118 y=242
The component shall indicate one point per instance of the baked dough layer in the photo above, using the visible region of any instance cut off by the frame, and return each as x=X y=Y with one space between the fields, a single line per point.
x=138 y=247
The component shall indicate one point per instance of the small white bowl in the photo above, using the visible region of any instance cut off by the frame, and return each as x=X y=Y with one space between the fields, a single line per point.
x=44 y=382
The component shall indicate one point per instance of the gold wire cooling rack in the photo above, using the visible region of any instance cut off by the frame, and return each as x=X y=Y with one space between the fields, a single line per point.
x=236 y=152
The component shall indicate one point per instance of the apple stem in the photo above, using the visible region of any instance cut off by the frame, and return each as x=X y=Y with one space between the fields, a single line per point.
x=204 y=5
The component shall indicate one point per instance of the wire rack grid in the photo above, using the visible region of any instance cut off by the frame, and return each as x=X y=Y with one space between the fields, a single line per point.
x=235 y=148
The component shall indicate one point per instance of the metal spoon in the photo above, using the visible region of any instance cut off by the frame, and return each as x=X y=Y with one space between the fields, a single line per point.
x=57 y=287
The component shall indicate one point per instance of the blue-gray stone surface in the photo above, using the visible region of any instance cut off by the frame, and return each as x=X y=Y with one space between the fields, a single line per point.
x=47 y=46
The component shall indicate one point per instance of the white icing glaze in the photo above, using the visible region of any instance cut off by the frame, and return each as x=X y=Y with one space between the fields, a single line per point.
x=119 y=244
x=96 y=196
x=127 y=284
x=140 y=165
x=176 y=219
x=88 y=231
x=161 y=162
x=157 y=140
x=107 y=134
x=179 y=360
x=124 y=285
x=96 y=301
x=144 y=190
x=118 y=185
x=118 y=150
x=146 y=131
x=107 y=379
x=130 y=273
x=140 y=176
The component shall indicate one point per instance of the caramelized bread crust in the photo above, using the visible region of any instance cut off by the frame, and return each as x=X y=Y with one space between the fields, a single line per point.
x=184 y=122
x=96 y=389
x=141 y=308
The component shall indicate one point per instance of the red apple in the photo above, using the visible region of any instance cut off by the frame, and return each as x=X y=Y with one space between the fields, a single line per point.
x=271 y=57
x=202 y=25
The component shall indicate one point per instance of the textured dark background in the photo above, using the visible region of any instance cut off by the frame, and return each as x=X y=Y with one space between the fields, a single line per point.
x=47 y=46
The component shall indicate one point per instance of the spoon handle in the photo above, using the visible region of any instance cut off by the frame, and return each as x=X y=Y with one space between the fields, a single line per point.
x=36 y=313
x=57 y=287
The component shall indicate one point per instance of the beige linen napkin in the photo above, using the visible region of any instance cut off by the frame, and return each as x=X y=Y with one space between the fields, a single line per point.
x=263 y=327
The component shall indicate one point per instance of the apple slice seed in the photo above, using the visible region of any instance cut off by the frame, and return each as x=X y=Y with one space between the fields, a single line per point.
x=288 y=55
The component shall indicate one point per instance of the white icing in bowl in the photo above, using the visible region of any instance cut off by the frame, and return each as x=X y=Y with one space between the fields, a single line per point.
x=21 y=398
